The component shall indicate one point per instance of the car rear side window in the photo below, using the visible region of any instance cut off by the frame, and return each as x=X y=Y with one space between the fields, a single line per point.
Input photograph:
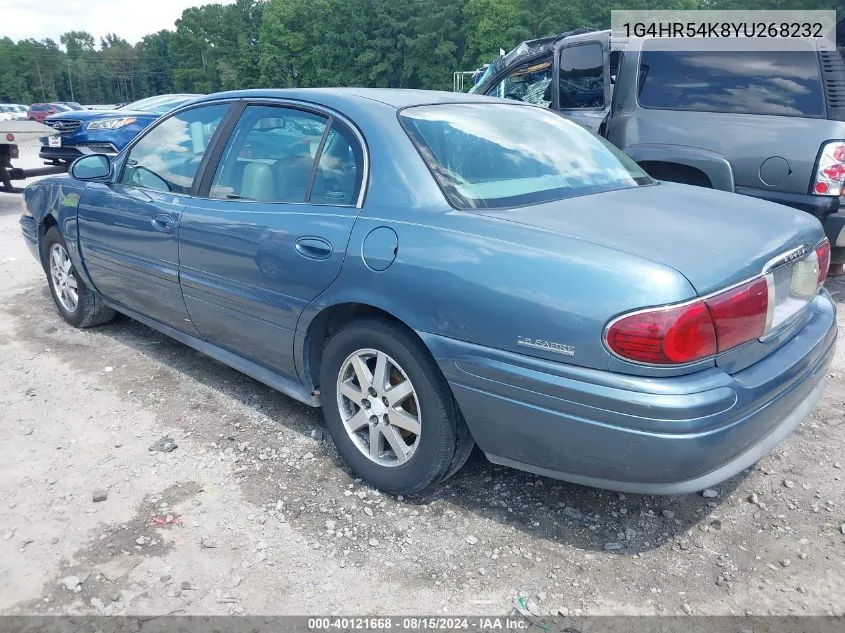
x=784 y=83
x=495 y=155
x=339 y=175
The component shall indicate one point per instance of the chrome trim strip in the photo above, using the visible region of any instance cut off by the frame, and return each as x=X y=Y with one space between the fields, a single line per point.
x=785 y=258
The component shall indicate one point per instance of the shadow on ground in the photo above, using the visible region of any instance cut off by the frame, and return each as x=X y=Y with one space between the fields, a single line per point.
x=560 y=512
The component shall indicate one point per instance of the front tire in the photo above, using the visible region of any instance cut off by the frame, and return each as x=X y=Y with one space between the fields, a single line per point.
x=77 y=303
x=389 y=409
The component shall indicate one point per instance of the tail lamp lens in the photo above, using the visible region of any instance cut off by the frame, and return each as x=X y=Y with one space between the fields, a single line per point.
x=664 y=337
x=740 y=314
x=688 y=333
x=830 y=173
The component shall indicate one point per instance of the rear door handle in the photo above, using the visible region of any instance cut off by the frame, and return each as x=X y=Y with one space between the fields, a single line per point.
x=163 y=223
x=313 y=247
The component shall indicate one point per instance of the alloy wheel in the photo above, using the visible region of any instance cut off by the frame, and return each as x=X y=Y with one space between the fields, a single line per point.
x=379 y=407
x=63 y=278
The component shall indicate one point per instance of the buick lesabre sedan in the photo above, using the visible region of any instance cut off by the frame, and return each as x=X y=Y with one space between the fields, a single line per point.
x=441 y=270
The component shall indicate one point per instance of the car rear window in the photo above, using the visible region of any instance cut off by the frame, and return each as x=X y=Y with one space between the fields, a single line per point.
x=495 y=155
x=784 y=83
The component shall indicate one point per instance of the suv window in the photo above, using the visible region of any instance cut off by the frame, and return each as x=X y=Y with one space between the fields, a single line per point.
x=581 y=78
x=786 y=83
x=168 y=156
x=270 y=155
x=529 y=84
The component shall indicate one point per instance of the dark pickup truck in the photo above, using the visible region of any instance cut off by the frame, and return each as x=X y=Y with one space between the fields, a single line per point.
x=765 y=124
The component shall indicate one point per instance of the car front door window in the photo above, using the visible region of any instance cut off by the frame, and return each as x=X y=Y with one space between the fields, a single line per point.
x=581 y=77
x=529 y=84
x=169 y=156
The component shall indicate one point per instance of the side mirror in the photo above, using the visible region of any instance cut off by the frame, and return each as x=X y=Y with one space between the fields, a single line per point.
x=92 y=167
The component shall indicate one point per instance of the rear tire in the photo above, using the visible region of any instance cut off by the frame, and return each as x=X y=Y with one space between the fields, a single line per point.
x=389 y=409
x=76 y=302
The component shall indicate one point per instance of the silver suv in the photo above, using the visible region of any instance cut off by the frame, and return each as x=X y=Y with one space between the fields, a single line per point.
x=764 y=124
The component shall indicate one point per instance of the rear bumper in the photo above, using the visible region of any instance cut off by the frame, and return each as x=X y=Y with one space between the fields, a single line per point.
x=644 y=435
x=819 y=206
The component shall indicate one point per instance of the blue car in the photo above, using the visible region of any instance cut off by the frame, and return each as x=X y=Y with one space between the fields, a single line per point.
x=84 y=132
x=438 y=270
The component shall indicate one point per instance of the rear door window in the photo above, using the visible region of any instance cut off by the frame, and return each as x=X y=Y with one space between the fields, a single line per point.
x=270 y=155
x=785 y=83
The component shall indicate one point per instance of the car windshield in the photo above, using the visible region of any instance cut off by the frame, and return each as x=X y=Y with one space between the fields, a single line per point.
x=60 y=107
x=491 y=155
x=158 y=105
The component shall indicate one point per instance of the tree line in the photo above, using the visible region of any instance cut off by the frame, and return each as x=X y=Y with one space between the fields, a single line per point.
x=302 y=43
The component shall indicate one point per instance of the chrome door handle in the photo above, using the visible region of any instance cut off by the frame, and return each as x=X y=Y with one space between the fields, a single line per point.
x=163 y=223
x=313 y=247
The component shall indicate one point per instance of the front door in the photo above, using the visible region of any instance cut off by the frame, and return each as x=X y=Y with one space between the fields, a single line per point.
x=584 y=84
x=269 y=230
x=128 y=228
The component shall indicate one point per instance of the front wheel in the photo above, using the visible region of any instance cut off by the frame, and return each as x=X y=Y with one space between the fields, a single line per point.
x=79 y=305
x=389 y=409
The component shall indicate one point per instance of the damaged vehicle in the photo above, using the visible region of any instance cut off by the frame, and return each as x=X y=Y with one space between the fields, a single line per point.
x=440 y=270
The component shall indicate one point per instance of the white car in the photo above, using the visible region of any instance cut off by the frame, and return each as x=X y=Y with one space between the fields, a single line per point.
x=12 y=112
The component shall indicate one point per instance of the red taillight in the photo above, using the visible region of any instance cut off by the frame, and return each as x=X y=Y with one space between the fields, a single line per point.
x=830 y=174
x=664 y=336
x=823 y=255
x=684 y=334
x=739 y=314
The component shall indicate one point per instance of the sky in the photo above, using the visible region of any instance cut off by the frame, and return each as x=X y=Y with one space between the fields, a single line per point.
x=130 y=19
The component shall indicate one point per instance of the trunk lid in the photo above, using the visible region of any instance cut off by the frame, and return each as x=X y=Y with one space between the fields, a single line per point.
x=715 y=239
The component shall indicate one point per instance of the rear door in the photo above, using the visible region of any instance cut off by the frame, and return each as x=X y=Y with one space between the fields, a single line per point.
x=128 y=228
x=269 y=230
x=583 y=82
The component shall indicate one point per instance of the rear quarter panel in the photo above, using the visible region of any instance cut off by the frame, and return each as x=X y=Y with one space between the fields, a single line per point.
x=746 y=141
x=490 y=282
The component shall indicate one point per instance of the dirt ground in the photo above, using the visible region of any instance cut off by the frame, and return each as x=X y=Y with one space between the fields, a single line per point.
x=254 y=513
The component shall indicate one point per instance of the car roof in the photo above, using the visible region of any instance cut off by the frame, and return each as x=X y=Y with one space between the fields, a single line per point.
x=393 y=97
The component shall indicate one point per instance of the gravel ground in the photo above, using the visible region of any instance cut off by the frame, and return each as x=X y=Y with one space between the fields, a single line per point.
x=253 y=512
